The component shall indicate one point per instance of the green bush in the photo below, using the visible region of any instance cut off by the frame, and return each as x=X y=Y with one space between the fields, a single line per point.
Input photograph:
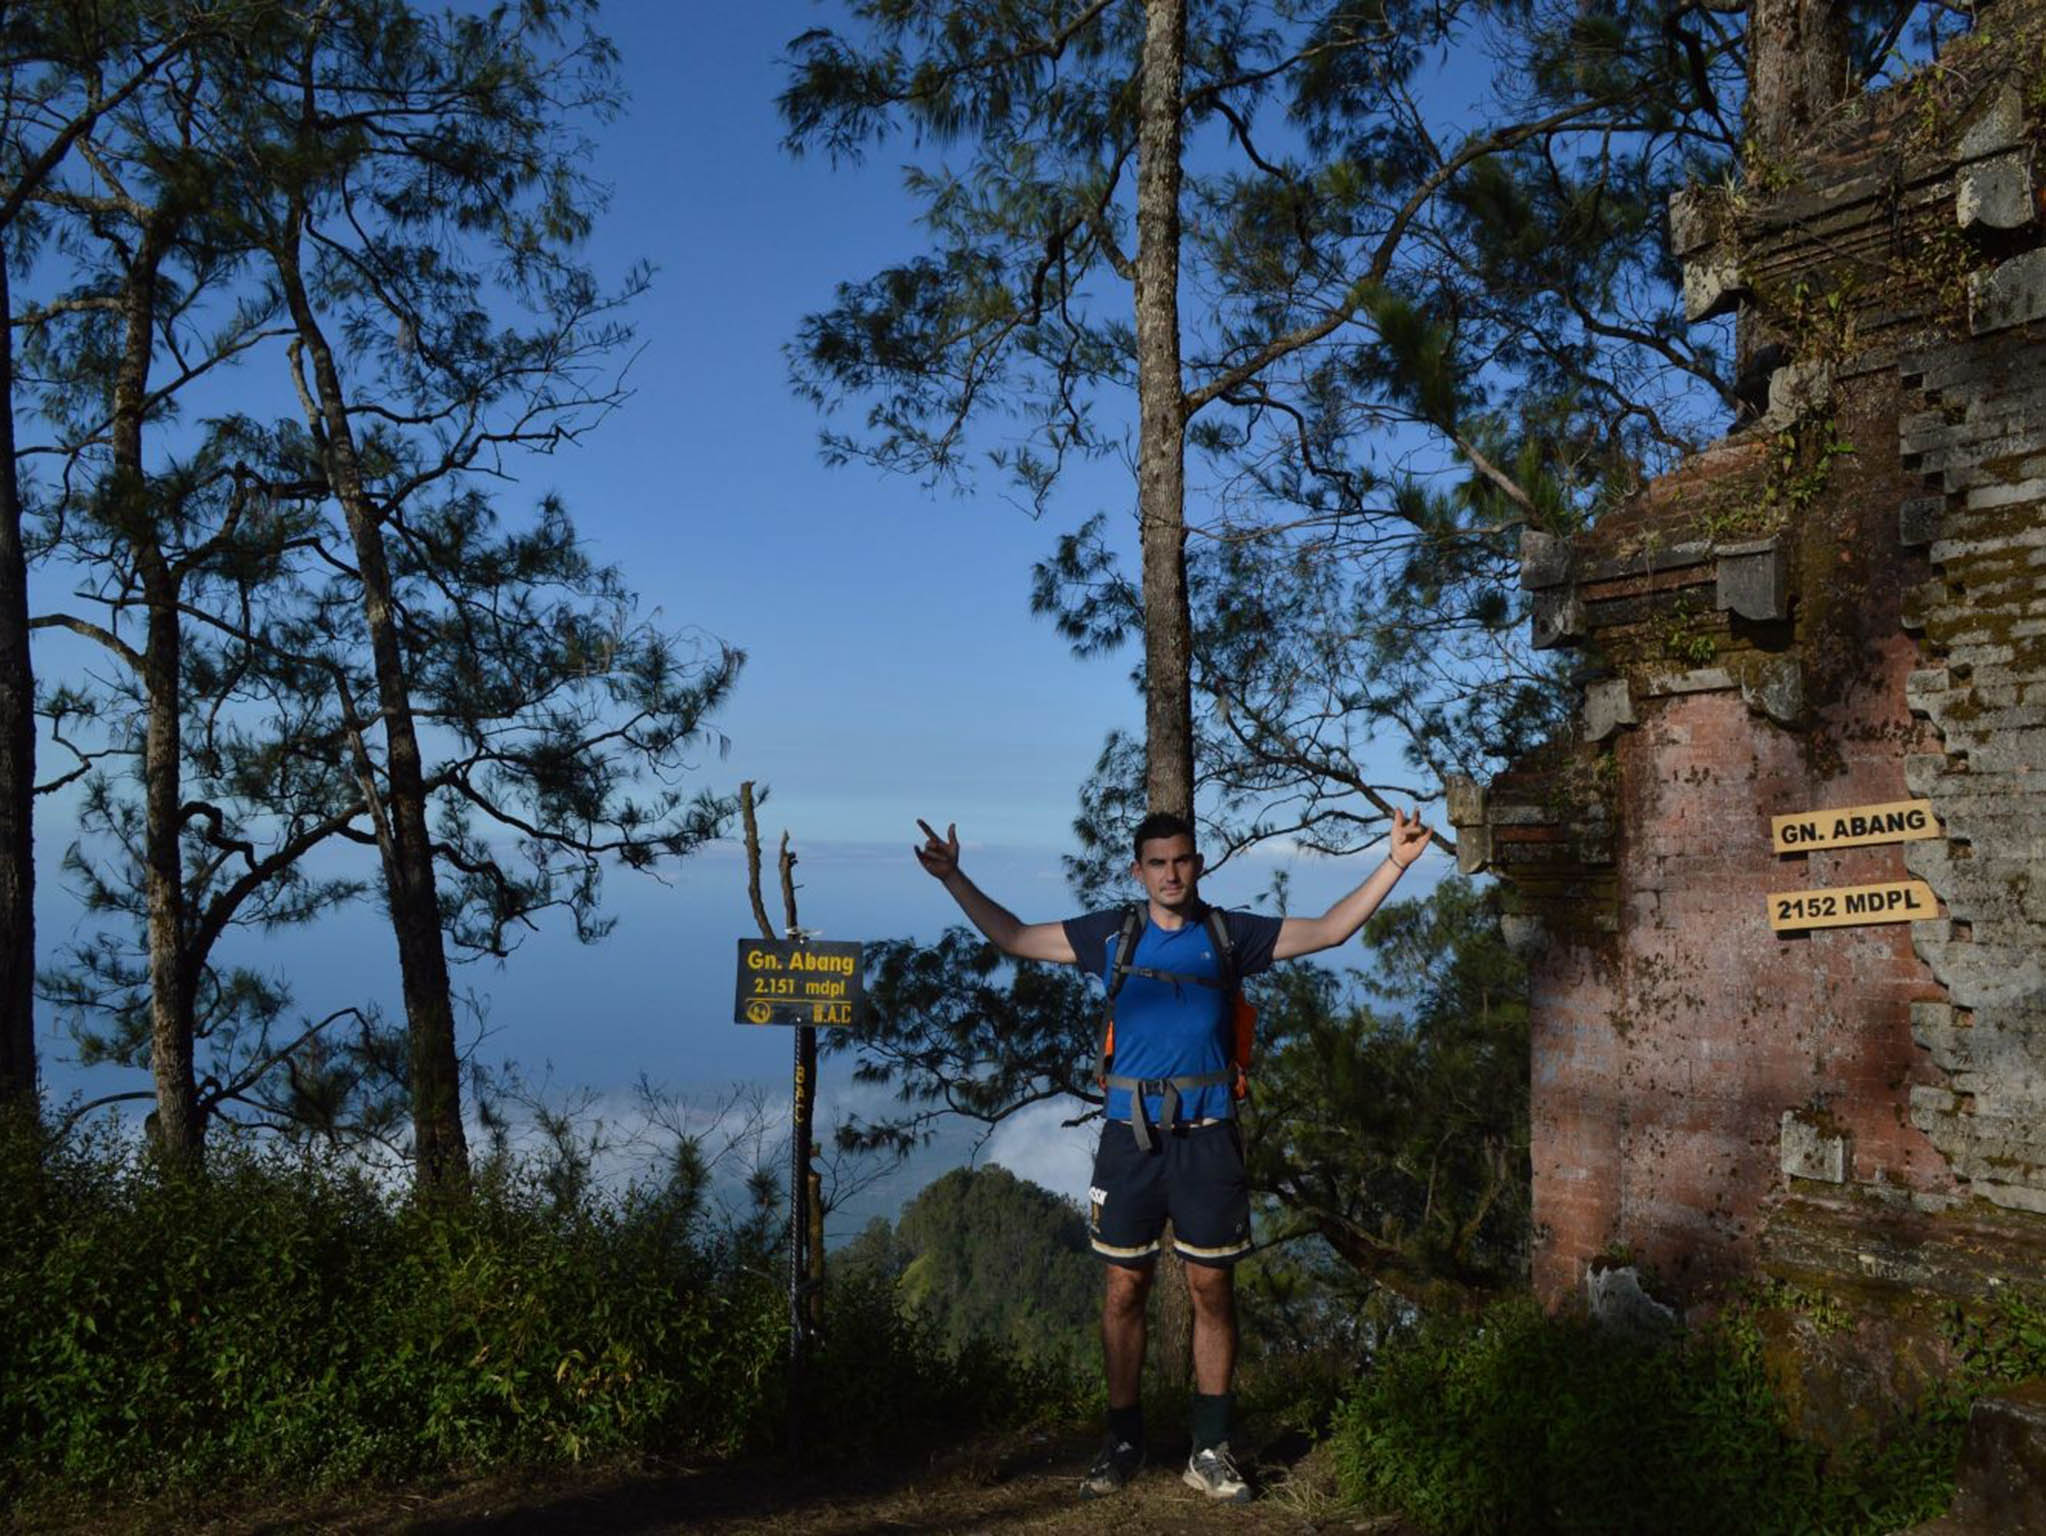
x=882 y=1379
x=1522 y=1423
x=288 y=1320
x=285 y=1319
x=2001 y=1344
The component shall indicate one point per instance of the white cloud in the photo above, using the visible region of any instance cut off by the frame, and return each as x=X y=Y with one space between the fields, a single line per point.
x=1036 y=1144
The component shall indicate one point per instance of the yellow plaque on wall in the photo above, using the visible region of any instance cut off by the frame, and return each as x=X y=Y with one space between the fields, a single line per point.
x=1898 y=901
x=1852 y=826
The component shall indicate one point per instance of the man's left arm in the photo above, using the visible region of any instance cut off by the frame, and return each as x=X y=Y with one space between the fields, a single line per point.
x=1339 y=924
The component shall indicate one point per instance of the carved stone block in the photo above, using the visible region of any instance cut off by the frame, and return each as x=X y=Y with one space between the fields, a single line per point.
x=1996 y=194
x=1811 y=1150
x=1473 y=849
x=1797 y=390
x=1922 y=771
x=1697 y=680
x=1464 y=798
x=1930 y=1022
x=1775 y=687
x=2000 y=126
x=1558 y=618
x=1695 y=220
x=1608 y=705
x=2008 y=295
x=1615 y=1299
x=2002 y=1481
x=1918 y=520
x=1754 y=585
x=1713 y=285
x=1925 y=689
x=1544 y=559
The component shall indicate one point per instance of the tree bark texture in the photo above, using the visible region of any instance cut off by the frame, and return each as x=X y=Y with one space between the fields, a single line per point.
x=17 y=765
x=180 y=1129
x=1161 y=410
x=18 y=1078
x=1797 y=69
x=1161 y=516
x=440 y=1146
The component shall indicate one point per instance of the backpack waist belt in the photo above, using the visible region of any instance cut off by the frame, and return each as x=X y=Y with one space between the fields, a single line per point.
x=1140 y=1120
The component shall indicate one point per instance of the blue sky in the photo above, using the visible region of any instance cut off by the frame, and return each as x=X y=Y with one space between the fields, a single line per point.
x=894 y=669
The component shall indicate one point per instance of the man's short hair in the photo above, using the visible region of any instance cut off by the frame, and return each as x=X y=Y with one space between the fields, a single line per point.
x=1156 y=825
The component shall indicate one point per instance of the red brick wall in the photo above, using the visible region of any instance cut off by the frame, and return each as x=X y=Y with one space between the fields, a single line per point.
x=1666 y=1054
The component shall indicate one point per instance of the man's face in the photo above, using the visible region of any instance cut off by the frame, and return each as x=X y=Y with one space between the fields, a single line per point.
x=1168 y=869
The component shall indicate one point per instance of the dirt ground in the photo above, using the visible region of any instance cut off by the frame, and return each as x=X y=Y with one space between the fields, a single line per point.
x=1019 y=1483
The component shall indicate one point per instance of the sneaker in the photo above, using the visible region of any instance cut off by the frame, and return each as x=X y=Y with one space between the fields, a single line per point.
x=1114 y=1467
x=1214 y=1473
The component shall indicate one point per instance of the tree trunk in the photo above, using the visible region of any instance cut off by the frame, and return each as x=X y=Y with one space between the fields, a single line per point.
x=180 y=1129
x=17 y=765
x=17 y=676
x=440 y=1146
x=1161 y=410
x=1798 y=64
x=1398 y=1274
x=1161 y=518
x=180 y=1132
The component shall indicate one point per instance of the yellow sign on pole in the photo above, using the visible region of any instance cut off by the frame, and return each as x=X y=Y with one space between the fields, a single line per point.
x=1853 y=826
x=1898 y=901
x=790 y=982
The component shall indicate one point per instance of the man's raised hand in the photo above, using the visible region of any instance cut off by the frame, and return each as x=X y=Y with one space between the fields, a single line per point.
x=940 y=855
x=997 y=924
x=1409 y=839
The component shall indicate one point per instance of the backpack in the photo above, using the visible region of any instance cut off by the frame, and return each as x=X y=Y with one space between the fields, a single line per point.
x=1243 y=1024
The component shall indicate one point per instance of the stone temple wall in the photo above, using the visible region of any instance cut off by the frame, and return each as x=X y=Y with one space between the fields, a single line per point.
x=1841 y=604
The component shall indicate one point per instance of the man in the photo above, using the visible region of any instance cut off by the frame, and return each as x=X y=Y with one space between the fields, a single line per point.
x=1169 y=1141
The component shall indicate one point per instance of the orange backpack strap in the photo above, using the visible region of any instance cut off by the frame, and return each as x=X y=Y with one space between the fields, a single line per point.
x=1242 y=1016
x=1225 y=951
x=1120 y=966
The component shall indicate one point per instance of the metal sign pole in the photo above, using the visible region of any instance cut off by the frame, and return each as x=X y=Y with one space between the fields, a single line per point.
x=800 y=981
x=799 y=1229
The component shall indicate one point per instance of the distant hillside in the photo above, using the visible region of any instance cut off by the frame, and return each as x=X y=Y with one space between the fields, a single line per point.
x=982 y=1253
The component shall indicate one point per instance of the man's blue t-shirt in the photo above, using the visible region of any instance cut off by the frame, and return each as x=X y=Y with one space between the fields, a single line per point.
x=1172 y=1029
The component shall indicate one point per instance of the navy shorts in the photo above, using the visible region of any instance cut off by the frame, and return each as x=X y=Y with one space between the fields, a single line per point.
x=1194 y=1175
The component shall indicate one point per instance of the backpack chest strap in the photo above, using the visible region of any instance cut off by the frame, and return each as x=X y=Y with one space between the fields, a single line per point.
x=1169 y=1087
x=1176 y=978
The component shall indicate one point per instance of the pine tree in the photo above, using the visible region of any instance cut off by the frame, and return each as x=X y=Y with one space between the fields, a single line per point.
x=63 y=67
x=1078 y=128
x=346 y=638
x=393 y=168
x=1383 y=322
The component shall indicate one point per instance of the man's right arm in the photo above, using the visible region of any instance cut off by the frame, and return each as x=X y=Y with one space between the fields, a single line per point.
x=1003 y=929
